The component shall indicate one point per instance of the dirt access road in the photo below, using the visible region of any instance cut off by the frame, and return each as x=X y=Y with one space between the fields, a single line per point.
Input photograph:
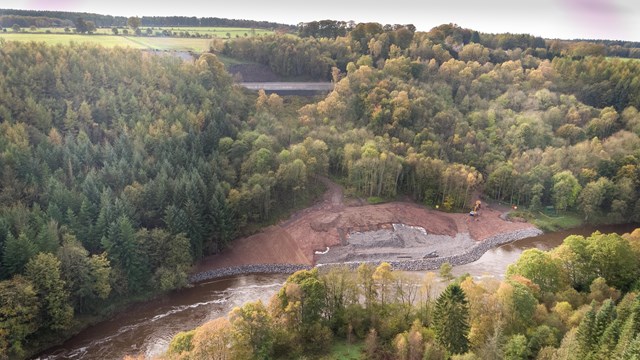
x=331 y=222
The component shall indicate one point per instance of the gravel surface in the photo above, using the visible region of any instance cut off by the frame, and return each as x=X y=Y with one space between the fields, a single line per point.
x=456 y=250
x=401 y=242
x=466 y=256
x=247 y=269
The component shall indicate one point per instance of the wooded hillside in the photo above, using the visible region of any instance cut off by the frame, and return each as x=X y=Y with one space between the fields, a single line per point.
x=119 y=169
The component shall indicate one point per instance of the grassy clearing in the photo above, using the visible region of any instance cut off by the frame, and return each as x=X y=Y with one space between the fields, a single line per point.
x=228 y=61
x=342 y=350
x=549 y=223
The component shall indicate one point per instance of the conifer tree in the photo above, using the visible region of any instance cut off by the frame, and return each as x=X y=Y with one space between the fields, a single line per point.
x=124 y=252
x=604 y=318
x=586 y=333
x=16 y=254
x=47 y=239
x=451 y=319
x=609 y=339
x=630 y=329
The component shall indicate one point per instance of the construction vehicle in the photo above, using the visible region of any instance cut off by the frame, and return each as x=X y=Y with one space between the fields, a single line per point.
x=475 y=212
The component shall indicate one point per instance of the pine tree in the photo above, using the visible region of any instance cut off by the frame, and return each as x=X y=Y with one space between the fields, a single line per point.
x=85 y=231
x=633 y=351
x=630 y=329
x=451 y=319
x=48 y=237
x=125 y=254
x=16 y=254
x=586 y=335
x=604 y=318
x=609 y=339
x=194 y=229
x=176 y=220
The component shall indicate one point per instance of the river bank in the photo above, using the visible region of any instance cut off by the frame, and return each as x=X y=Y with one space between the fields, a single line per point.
x=466 y=256
x=147 y=328
x=302 y=240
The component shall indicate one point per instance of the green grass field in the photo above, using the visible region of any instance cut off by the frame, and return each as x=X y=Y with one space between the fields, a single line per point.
x=341 y=350
x=151 y=43
x=220 y=32
x=106 y=38
x=55 y=39
x=550 y=223
x=177 y=44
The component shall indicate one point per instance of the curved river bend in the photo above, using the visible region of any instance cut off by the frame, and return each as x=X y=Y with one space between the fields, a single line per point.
x=147 y=328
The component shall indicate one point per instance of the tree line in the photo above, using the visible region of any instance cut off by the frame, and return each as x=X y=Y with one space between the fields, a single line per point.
x=44 y=18
x=383 y=42
x=8 y=21
x=573 y=302
x=438 y=116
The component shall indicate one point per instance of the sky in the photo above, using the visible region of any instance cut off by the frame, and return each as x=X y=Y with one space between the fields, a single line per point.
x=564 y=19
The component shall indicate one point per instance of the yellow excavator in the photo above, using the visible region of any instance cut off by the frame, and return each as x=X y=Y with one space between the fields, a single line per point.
x=475 y=213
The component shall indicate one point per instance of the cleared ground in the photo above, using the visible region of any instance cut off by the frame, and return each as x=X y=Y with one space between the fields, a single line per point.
x=332 y=224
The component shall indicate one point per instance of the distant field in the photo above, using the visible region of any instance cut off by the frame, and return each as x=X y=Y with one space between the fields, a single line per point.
x=105 y=37
x=220 y=32
x=137 y=42
x=55 y=39
x=216 y=31
x=178 y=44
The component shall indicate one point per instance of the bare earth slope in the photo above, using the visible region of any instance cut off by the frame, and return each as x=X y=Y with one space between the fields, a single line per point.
x=330 y=223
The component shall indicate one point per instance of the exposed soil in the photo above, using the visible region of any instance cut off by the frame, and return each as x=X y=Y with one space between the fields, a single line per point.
x=330 y=223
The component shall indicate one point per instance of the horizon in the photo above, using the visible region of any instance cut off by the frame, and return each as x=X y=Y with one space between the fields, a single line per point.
x=565 y=19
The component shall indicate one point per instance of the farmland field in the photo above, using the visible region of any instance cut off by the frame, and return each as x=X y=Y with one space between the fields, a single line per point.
x=105 y=37
x=220 y=32
x=169 y=43
x=55 y=39
x=141 y=42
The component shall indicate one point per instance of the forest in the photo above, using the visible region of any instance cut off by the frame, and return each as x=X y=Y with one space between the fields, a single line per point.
x=121 y=169
x=571 y=303
x=43 y=18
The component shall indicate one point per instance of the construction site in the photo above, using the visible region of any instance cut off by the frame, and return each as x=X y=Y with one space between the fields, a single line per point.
x=333 y=231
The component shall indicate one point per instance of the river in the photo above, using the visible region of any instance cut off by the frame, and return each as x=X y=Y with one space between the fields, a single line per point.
x=147 y=328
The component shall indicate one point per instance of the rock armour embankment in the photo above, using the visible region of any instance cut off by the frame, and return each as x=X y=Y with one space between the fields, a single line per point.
x=470 y=255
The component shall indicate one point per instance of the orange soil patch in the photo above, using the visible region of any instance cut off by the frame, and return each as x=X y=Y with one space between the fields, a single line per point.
x=322 y=225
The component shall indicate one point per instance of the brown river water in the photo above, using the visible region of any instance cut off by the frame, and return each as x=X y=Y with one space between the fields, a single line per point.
x=147 y=328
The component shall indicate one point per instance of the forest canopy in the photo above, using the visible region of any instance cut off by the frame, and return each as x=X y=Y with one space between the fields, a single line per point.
x=120 y=169
x=569 y=303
